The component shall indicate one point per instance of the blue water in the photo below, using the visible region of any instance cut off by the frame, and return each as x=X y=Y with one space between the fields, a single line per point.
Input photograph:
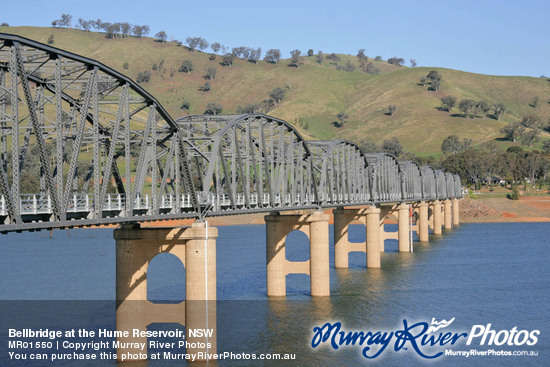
x=476 y=273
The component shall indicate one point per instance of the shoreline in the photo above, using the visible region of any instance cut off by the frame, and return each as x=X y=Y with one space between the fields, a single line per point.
x=479 y=210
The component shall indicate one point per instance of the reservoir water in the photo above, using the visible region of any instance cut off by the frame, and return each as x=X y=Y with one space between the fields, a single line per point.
x=478 y=274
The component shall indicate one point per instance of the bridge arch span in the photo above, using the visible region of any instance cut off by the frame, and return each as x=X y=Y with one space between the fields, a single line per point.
x=341 y=172
x=386 y=177
x=412 y=180
x=100 y=139
x=429 y=191
x=441 y=184
x=249 y=162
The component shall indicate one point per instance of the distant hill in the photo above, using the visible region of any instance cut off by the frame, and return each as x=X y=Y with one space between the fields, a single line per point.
x=317 y=92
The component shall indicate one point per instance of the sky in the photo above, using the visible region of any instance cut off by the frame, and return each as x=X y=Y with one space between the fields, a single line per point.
x=497 y=37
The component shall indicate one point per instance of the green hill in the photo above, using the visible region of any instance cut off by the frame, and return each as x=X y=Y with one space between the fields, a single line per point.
x=317 y=92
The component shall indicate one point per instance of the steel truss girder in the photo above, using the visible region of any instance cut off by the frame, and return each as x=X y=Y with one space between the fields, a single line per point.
x=92 y=126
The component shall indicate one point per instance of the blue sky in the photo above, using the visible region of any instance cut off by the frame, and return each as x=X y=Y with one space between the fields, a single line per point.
x=499 y=37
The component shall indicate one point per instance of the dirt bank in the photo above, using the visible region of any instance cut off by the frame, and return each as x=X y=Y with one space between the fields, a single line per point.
x=527 y=209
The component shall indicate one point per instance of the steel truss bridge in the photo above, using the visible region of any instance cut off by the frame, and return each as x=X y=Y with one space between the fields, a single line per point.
x=83 y=145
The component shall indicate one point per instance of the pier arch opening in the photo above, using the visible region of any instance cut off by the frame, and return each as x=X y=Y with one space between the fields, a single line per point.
x=166 y=279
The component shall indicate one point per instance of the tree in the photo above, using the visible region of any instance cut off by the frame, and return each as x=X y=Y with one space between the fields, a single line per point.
x=391 y=109
x=143 y=76
x=4 y=24
x=499 y=110
x=529 y=137
x=310 y=52
x=227 y=59
x=240 y=52
x=531 y=121
x=423 y=80
x=125 y=66
x=161 y=36
x=452 y=145
x=546 y=146
x=371 y=69
x=205 y=87
x=392 y=146
x=51 y=40
x=97 y=24
x=254 y=54
x=467 y=106
x=277 y=94
x=435 y=79
x=413 y=63
x=125 y=28
x=333 y=57
x=295 y=57
x=186 y=67
x=342 y=119
x=138 y=30
x=368 y=146
x=535 y=102
x=363 y=59
x=192 y=42
x=378 y=58
x=396 y=61
x=272 y=56
x=185 y=105
x=512 y=131
x=319 y=57
x=483 y=107
x=82 y=24
x=210 y=73
x=250 y=108
x=216 y=46
x=213 y=108
x=349 y=67
x=434 y=75
x=66 y=20
x=203 y=44
x=448 y=102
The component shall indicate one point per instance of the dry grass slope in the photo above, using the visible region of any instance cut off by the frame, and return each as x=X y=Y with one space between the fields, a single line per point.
x=316 y=93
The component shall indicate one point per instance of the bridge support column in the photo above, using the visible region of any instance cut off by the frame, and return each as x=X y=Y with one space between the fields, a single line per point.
x=431 y=216
x=373 y=237
x=342 y=247
x=456 y=215
x=384 y=212
x=403 y=228
x=423 y=230
x=447 y=207
x=437 y=216
x=135 y=248
x=315 y=226
x=200 y=288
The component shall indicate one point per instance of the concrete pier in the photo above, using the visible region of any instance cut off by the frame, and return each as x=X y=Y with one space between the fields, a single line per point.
x=385 y=212
x=342 y=247
x=456 y=215
x=447 y=207
x=315 y=226
x=401 y=213
x=436 y=207
x=423 y=229
x=373 y=237
x=404 y=240
x=135 y=249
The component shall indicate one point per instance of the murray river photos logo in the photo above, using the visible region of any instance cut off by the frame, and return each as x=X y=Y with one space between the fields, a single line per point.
x=428 y=340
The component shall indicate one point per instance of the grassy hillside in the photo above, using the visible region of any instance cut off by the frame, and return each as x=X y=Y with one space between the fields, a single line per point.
x=316 y=93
